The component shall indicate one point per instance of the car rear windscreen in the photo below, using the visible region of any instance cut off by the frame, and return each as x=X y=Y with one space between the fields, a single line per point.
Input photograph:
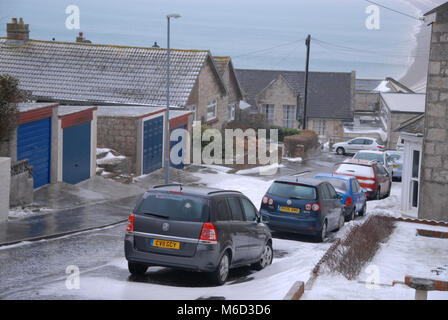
x=174 y=206
x=290 y=190
x=356 y=170
x=369 y=156
x=339 y=185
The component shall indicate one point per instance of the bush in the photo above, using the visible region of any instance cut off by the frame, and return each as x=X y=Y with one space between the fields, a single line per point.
x=10 y=95
x=307 y=138
x=348 y=256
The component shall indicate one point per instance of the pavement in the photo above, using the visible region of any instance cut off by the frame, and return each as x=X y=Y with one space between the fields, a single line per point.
x=91 y=204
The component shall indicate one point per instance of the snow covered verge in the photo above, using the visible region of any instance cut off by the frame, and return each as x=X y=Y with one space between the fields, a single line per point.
x=405 y=253
x=21 y=213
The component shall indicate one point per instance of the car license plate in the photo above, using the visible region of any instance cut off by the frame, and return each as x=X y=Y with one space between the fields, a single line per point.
x=165 y=244
x=395 y=166
x=288 y=209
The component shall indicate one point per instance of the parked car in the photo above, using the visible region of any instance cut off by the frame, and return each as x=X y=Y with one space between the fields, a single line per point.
x=380 y=156
x=371 y=175
x=353 y=195
x=396 y=157
x=193 y=228
x=354 y=145
x=303 y=205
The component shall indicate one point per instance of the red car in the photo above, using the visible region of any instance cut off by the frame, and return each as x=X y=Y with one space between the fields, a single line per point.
x=371 y=175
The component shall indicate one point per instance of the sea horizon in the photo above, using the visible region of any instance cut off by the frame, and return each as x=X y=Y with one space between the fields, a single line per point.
x=255 y=34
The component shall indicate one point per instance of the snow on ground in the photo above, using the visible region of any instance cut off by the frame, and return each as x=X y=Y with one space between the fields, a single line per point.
x=254 y=188
x=293 y=160
x=20 y=213
x=262 y=170
x=389 y=206
x=272 y=282
x=403 y=254
x=109 y=158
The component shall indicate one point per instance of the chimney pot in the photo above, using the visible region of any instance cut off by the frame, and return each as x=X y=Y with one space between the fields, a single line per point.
x=17 y=31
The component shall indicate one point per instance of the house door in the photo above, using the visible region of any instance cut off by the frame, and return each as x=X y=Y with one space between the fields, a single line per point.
x=34 y=144
x=76 y=153
x=152 y=144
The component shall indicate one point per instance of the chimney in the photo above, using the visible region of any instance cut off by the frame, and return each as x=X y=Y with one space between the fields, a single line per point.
x=17 y=30
x=80 y=38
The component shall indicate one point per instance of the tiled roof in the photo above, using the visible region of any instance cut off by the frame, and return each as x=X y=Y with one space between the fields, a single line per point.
x=329 y=93
x=413 y=125
x=92 y=73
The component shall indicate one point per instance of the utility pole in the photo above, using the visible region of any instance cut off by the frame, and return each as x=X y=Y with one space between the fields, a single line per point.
x=308 y=44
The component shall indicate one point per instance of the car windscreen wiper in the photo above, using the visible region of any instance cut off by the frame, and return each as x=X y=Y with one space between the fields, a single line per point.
x=156 y=215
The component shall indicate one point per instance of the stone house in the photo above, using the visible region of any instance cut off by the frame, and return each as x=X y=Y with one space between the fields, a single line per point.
x=433 y=200
x=231 y=103
x=83 y=73
x=279 y=96
x=396 y=109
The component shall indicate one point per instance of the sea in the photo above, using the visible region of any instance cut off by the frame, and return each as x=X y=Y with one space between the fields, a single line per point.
x=256 y=34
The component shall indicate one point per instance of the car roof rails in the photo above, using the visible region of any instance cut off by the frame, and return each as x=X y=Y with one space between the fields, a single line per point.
x=223 y=191
x=168 y=185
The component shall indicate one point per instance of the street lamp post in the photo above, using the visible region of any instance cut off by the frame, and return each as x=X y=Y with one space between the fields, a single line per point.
x=167 y=118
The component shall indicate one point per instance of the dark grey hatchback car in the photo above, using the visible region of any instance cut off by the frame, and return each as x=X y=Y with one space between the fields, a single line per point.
x=195 y=228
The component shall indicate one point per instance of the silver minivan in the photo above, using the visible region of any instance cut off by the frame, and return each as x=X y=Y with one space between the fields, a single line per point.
x=196 y=228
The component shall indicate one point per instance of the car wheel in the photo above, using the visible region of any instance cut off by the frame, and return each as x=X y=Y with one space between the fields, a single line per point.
x=137 y=269
x=266 y=257
x=363 y=211
x=220 y=275
x=340 y=151
x=323 y=234
x=341 y=222
x=352 y=216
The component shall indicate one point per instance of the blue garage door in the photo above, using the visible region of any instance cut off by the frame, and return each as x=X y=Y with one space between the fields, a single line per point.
x=34 y=144
x=76 y=153
x=180 y=144
x=152 y=144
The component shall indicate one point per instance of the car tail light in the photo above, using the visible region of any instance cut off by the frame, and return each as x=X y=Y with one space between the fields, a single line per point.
x=312 y=207
x=208 y=233
x=380 y=147
x=348 y=201
x=267 y=200
x=130 y=226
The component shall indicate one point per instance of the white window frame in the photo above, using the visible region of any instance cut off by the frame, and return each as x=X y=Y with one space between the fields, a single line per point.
x=288 y=116
x=212 y=104
x=231 y=112
x=269 y=111
x=319 y=126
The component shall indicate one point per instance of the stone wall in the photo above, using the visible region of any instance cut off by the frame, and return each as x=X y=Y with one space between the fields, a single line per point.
x=279 y=93
x=433 y=200
x=333 y=128
x=363 y=100
x=120 y=134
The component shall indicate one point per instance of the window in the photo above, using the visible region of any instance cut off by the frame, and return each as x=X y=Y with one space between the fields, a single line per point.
x=368 y=141
x=332 y=192
x=380 y=169
x=231 y=112
x=357 y=141
x=355 y=186
x=235 y=208
x=211 y=109
x=415 y=163
x=268 y=111
x=249 y=210
x=292 y=190
x=319 y=127
x=325 y=193
x=223 y=213
x=288 y=116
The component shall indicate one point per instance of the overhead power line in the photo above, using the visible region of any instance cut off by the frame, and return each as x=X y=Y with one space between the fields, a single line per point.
x=267 y=49
x=394 y=10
